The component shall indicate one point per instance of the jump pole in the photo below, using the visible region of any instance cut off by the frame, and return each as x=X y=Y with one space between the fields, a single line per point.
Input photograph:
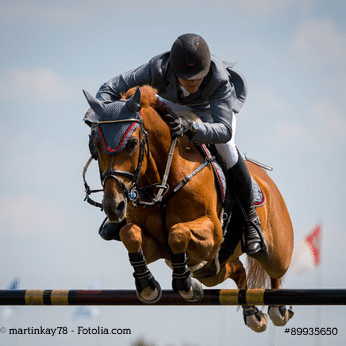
x=211 y=297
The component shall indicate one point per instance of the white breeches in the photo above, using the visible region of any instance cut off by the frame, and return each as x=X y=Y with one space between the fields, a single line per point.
x=228 y=151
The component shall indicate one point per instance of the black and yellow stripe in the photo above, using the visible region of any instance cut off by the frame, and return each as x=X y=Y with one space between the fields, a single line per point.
x=211 y=297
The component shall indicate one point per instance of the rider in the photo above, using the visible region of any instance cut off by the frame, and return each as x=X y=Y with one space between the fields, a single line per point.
x=189 y=75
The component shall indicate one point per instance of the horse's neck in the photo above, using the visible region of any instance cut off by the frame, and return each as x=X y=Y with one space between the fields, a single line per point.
x=185 y=159
x=160 y=144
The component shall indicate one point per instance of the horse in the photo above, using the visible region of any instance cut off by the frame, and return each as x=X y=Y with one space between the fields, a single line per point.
x=166 y=191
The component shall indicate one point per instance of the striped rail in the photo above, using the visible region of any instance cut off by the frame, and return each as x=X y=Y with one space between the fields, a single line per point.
x=211 y=297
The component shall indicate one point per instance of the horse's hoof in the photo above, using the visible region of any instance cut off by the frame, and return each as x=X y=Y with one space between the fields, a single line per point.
x=195 y=293
x=255 y=319
x=149 y=296
x=279 y=314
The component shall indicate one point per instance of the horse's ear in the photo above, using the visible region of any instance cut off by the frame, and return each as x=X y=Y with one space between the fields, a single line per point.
x=134 y=102
x=96 y=105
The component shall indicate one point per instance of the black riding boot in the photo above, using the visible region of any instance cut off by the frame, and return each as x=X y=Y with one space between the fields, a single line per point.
x=241 y=184
x=110 y=230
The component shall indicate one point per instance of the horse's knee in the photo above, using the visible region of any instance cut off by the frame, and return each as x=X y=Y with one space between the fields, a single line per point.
x=131 y=236
x=178 y=238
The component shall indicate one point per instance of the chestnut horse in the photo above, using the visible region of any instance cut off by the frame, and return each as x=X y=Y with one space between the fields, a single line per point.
x=175 y=218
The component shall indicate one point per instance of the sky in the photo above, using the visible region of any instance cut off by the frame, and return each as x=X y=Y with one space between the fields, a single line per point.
x=293 y=55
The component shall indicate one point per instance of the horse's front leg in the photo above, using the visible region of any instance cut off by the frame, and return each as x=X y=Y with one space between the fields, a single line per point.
x=198 y=239
x=147 y=288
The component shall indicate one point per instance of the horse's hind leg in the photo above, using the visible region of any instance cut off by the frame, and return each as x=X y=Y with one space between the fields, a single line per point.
x=253 y=318
x=147 y=288
x=278 y=313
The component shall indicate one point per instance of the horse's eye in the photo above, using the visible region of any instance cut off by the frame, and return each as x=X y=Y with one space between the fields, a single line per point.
x=132 y=144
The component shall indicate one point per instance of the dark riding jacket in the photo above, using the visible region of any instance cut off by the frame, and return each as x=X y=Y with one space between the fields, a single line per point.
x=222 y=92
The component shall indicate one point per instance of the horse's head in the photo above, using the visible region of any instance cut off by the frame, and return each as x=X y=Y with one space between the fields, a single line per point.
x=120 y=142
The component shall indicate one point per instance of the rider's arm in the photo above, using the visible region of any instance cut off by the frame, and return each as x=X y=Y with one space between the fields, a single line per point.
x=151 y=73
x=114 y=88
x=220 y=131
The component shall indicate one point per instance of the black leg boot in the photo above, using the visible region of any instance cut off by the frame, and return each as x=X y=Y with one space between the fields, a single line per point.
x=110 y=230
x=181 y=274
x=241 y=184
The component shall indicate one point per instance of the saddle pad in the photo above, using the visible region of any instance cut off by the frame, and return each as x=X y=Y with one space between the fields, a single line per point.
x=259 y=197
x=218 y=171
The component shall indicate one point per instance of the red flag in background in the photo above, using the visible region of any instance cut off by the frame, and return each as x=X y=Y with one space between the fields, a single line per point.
x=307 y=254
x=314 y=241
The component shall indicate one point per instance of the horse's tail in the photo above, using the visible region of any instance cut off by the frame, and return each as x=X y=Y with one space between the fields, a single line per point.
x=256 y=275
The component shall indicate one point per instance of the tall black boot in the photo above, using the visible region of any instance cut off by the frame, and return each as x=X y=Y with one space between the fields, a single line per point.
x=241 y=184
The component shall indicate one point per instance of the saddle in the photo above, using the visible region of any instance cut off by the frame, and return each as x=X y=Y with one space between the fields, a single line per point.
x=220 y=175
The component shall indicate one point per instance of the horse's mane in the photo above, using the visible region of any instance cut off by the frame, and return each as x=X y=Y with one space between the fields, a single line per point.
x=149 y=97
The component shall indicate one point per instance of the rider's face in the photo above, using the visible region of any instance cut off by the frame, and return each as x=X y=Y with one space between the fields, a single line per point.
x=190 y=86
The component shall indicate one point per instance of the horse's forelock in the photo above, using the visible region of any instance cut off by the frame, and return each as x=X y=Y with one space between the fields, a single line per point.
x=148 y=95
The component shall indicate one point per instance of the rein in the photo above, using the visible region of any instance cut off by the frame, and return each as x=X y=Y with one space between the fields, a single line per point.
x=88 y=191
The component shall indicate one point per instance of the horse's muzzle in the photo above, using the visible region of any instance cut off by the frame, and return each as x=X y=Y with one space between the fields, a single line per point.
x=114 y=208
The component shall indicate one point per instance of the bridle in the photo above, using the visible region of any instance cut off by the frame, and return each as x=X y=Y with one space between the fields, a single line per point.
x=134 y=193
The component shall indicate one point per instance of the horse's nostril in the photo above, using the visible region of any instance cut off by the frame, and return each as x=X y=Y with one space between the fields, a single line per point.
x=120 y=208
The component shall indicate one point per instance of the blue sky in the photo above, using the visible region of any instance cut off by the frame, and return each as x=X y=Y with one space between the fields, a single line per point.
x=293 y=55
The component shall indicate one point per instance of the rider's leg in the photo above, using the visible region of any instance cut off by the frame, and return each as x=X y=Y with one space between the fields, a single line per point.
x=239 y=178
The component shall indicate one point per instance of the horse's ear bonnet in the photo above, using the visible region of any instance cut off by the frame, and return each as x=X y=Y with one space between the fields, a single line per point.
x=114 y=136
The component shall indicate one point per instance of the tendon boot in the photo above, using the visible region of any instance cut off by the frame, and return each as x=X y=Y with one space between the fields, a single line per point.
x=241 y=184
x=110 y=230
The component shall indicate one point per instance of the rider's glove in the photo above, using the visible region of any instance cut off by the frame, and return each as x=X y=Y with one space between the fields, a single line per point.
x=178 y=125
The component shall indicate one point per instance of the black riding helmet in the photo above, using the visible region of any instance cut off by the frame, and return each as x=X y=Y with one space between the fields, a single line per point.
x=190 y=57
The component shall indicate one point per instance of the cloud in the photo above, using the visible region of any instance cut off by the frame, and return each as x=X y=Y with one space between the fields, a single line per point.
x=270 y=7
x=319 y=43
x=30 y=216
x=38 y=84
x=327 y=128
x=38 y=11
x=269 y=100
x=330 y=121
x=66 y=12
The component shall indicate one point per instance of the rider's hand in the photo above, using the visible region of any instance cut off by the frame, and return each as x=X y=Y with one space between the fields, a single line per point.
x=178 y=125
